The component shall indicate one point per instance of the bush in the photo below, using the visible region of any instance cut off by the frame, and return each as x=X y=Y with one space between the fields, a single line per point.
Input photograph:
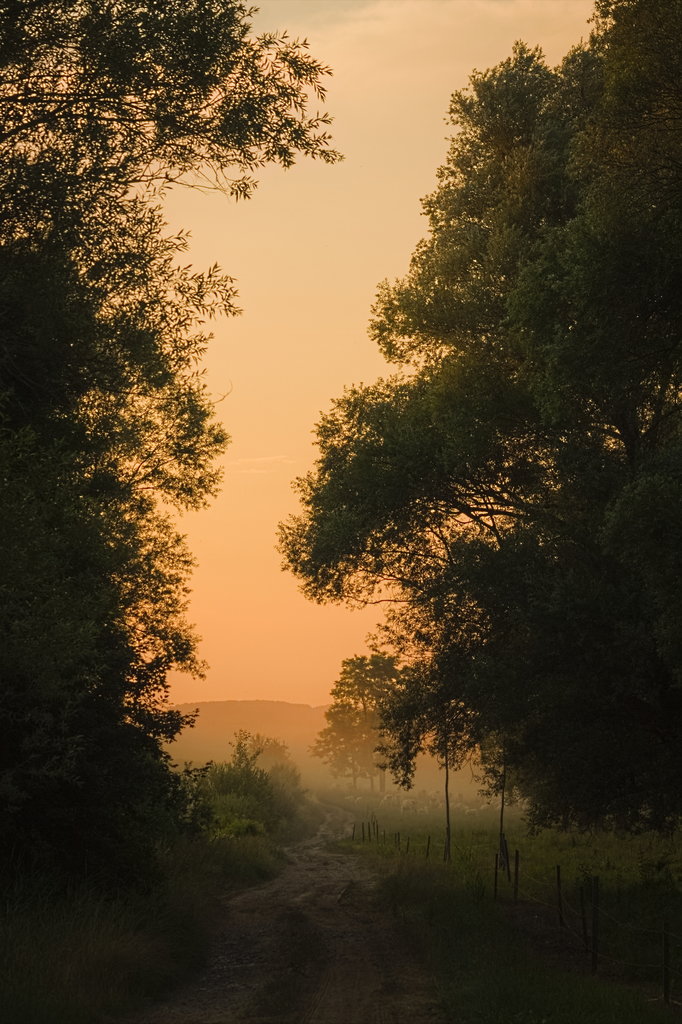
x=246 y=799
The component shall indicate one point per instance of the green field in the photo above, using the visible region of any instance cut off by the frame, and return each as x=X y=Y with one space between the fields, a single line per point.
x=514 y=949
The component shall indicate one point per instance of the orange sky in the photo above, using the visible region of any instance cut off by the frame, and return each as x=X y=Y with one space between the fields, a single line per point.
x=307 y=252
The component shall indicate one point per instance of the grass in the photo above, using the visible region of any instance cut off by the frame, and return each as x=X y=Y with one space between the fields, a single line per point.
x=486 y=972
x=75 y=959
x=81 y=957
x=506 y=962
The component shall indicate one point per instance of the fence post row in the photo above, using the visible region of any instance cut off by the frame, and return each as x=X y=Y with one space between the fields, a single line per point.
x=502 y=861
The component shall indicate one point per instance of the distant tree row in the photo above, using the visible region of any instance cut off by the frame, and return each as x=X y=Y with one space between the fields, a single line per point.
x=514 y=490
x=106 y=426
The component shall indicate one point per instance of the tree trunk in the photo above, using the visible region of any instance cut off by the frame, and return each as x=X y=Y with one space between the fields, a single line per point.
x=446 y=765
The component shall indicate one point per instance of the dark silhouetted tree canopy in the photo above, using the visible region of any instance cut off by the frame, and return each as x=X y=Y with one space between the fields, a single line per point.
x=515 y=488
x=106 y=425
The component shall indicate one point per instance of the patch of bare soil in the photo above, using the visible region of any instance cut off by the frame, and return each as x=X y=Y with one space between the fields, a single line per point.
x=309 y=947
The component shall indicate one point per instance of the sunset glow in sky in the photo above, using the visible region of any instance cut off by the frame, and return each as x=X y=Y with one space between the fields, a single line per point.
x=307 y=253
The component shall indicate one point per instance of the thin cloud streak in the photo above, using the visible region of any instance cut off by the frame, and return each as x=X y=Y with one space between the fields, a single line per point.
x=259 y=464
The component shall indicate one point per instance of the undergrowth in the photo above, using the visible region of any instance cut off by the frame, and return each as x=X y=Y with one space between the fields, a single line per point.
x=79 y=954
x=71 y=957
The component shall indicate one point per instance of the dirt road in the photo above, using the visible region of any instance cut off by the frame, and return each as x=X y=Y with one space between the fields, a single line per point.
x=309 y=947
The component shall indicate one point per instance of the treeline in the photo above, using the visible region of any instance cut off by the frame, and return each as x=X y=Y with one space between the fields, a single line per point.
x=514 y=490
x=106 y=426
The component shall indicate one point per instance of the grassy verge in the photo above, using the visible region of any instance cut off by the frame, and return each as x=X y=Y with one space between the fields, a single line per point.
x=81 y=957
x=509 y=960
x=72 y=959
x=486 y=972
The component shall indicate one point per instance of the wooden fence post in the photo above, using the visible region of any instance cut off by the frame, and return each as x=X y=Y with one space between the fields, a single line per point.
x=363 y=831
x=353 y=836
x=516 y=875
x=428 y=846
x=407 y=846
x=504 y=856
x=666 y=961
x=497 y=865
x=595 y=923
x=583 y=916
x=560 y=905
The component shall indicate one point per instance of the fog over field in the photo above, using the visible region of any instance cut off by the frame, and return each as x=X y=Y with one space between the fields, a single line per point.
x=296 y=725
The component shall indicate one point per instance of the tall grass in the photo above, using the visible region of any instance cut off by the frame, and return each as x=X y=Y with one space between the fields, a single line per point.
x=72 y=958
x=486 y=972
x=510 y=961
x=78 y=956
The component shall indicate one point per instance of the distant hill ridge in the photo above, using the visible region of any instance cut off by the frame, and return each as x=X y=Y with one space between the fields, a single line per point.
x=297 y=725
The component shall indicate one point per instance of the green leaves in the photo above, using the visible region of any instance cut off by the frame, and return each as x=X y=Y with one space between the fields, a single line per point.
x=155 y=92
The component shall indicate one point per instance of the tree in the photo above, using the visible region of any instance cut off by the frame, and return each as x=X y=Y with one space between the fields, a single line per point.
x=106 y=426
x=127 y=92
x=503 y=491
x=349 y=740
x=245 y=794
x=420 y=715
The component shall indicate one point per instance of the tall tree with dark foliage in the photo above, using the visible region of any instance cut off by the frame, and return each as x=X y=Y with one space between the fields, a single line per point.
x=106 y=425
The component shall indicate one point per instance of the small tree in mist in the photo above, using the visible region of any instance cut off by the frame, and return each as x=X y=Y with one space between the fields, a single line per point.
x=348 y=742
x=247 y=798
x=419 y=716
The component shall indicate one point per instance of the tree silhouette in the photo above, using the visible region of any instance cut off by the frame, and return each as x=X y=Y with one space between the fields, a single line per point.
x=349 y=741
x=106 y=425
x=514 y=491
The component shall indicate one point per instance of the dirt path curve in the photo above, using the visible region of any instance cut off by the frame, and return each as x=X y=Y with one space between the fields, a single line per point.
x=309 y=947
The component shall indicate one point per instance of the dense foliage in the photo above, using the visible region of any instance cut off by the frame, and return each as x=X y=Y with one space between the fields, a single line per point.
x=106 y=426
x=258 y=791
x=516 y=488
